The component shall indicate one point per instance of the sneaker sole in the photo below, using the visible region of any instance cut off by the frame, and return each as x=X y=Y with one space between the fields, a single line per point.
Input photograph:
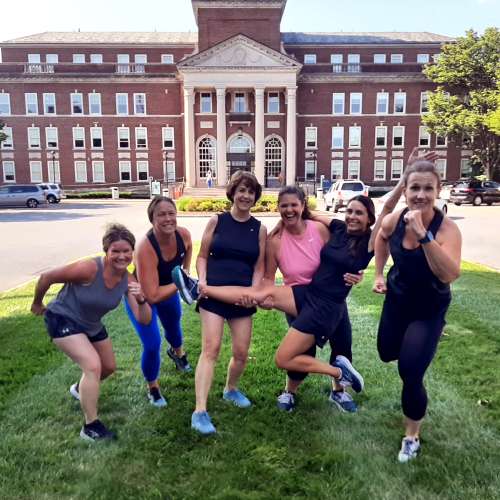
x=235 y=403
x=158 y=404
x=282 y=408
x=209 y=432
x=340 y=407
x=74 y=392
x=179 y=283
x=403 y=458
x=348 y=365
x=84 y=436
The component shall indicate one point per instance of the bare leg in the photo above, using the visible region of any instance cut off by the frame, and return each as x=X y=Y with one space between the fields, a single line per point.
x=241 y=335
x=178 y=351
x=292 y=385
x=107 y=355
x=412 y=427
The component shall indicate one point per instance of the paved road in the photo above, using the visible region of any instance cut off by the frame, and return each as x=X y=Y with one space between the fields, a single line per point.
x=33 y=240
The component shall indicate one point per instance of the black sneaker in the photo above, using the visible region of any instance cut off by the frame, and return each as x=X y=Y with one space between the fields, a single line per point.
x=181 y=362
x=188 y=287
x=156 y=398
x=96 y=431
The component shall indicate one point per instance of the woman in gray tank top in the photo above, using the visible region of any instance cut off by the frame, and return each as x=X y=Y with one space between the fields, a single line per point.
x=92 y=288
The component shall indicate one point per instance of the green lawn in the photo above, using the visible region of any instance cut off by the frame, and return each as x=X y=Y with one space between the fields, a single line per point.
x=258 y=453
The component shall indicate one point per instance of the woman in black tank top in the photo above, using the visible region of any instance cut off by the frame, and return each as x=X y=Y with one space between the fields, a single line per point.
x=425 y=246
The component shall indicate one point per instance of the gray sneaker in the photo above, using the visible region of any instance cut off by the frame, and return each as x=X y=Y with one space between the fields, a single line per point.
x=349 y=375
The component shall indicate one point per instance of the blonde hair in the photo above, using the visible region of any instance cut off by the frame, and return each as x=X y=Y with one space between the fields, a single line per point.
x=421 y=167
x=116 y=232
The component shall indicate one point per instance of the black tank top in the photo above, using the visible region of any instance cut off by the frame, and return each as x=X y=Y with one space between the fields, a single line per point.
x=410 y=281
x=234 y=251
x=165 y=268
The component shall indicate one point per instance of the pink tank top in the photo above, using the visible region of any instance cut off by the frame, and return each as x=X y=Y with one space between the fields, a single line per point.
x=299 y=255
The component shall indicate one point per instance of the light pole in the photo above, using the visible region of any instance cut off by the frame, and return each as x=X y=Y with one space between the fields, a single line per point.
x=53 y=153
x=166 y=169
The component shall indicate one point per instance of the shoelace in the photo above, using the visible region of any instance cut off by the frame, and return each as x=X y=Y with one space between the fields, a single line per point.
x=344 y=397
x=408 y=445
x=286 y=398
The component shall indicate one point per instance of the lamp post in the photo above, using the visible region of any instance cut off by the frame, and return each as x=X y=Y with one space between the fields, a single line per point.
x=166 y=169
x=53 y=153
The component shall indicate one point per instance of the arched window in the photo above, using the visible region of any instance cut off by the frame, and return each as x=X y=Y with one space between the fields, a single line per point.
x=240 y=145
x=274 y=157
x=206 y=155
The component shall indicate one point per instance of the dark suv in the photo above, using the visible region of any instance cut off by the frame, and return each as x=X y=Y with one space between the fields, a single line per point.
x=476 y=192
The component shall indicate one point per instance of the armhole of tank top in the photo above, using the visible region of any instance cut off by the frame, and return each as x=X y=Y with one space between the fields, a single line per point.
x=156 y=247
x=181 y=246
x=98 y=261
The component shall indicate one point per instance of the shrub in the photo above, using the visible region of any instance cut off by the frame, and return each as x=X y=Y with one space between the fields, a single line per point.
x=312 y=202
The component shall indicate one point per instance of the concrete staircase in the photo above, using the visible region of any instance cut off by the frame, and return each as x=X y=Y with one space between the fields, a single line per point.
x=218 y=193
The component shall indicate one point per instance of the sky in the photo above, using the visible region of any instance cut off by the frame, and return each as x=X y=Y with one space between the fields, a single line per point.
x=444 y=17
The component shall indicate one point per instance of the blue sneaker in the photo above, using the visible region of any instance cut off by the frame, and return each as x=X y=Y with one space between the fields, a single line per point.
x=237 y=397
x=349 y=375
x=202 y=423
x=286 y=401
x=343 y=400
x=156 y=398
x=188 y=287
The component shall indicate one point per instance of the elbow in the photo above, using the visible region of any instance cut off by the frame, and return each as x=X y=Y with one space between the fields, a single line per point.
x=448 y=280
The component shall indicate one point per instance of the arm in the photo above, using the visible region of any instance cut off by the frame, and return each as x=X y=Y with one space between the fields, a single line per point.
x=206 y=243
x=323 y=219
x=258 y=271
x=382 y=252
x=137 y=302
x=271 y=259
x=186 y=237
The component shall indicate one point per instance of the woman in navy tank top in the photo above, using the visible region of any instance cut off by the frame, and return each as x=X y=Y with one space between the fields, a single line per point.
x=165 y=246
x=426 y=248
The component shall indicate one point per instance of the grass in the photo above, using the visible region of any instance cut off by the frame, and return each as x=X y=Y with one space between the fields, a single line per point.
x=259 y=452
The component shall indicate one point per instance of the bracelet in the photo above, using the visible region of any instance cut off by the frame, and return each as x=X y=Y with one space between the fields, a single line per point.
x=143 y=302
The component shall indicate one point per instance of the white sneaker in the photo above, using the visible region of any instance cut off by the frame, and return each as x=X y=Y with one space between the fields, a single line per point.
x=408 y=449
x=74 y=391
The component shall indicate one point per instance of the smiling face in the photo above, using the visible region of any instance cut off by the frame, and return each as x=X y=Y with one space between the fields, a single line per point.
x=356 y=218
x=291 y=209
x=164 y=218
x=244 y=197
x=421 y=191
x=120 y=254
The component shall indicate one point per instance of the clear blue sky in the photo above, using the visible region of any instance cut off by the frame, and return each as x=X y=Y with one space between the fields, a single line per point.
x=445 y=17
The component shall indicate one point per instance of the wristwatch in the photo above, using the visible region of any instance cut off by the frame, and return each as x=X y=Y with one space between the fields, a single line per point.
x=426 y=239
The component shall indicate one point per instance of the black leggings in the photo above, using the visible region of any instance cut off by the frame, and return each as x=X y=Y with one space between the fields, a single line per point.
x=412 y=340
x=340 y=342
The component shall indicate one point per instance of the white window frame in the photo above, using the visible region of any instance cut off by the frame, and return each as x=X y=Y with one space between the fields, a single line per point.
x=127 y=130
x=465 y=168
x=353 y=164
x=45 y=103
x=395 y=176
x=125 y=167
x=94 y=164
x=424 y=97
x=436 y=57
x=93 y=58
x=74 y=137
x=339 y=135
x=379 y=95
x=402 y=145
x=97 y=97
x=314 y=138
x=401 y=95
x=275 y=100
x=377 y=168
x=136 y=104
x=139 y=56
x=39 y=171
x=384 y=128
x=35 y=102
x=37 y=129
x=340 y=164
x=54 y=57
x=170 y=58
x=352 y=96
x=339 y=57
x=445 y=141
x=382 y=58
x=396 y=58
x=118 y=104
x=54 y=170
x=56 y=136
x=73 y=103
x=76 y=58
x=5 y=174
x=84 y=171
x=34 y=58
x=165 y=133
x=422 y=134
x=309 y=58
x=353 y=61
x=6 y=100
x=339 y=97
x=4 y=144
x=245 y=102
x=307 y=169
x=441 y=166
x=96 y=133
x=137 y=171
x=137 y=138
x=206 y=99
x=170 y=166
x=351 y=137
x=423 y=58
x=125 y=58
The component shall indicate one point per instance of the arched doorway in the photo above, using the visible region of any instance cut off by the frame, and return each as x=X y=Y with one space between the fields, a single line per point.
x=273 y=161
x=241 y=155
x=207 y=159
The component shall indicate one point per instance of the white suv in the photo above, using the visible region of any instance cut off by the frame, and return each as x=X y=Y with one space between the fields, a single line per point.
x=342 y=191
x=53 y=192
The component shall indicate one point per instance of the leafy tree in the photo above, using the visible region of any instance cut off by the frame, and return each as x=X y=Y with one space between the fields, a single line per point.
x=468 y=97
x=3 y=136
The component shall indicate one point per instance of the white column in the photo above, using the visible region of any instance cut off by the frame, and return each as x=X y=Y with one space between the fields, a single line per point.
x=259 y=134
x=291 y=136
x=189 y=146
x=221 y=137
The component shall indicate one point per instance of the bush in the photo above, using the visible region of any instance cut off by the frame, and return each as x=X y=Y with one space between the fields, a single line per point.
x=312 y=202
x=101 y=195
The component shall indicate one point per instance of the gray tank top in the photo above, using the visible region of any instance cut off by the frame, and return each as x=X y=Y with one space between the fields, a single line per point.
x=87 y=304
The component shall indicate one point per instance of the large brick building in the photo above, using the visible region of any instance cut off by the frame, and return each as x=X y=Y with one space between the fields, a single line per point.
x=116 y=108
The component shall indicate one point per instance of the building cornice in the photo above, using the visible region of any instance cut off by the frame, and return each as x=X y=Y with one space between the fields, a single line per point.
x=368 y=77
x=65 y=45
x=406 y=45
x=87 y=79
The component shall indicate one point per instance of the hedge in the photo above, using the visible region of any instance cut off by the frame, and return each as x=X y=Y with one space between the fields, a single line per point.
x=107 y=194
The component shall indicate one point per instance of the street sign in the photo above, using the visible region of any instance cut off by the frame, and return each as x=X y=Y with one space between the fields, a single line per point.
x=155 y=188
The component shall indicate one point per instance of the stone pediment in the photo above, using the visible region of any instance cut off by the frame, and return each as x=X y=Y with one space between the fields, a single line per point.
x=239 y=52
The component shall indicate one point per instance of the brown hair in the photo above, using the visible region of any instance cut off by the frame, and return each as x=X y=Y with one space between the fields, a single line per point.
x=293 y=190
x=116 y=232
x=421 y=167
x=155 y=202
x=368 y=204
x=248 y=179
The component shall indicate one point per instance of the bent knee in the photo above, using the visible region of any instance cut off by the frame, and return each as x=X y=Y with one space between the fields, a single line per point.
x=108 y=369
x=92 y=368
x=281 y=361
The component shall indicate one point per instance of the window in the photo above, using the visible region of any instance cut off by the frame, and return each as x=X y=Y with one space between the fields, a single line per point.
x=34 y=58
x=353 y=63
x=436 y=57
x=398 y=137
x=34 y=138
x=51 y=138
x=80 y=171
x=4 y=104
x=96 y=58
x=140 y=104
x=311 y=137
x=379 y=170
x=76 y=104
x=125 y=171
x=423 y=58
x=168 y=137
x=396 y=58
x=424 y=137
x=337 y=137
x=396 y=170
x=52 y=58
x=424 y=98
x=142 y=171
x=273 y=102
x=206 y=102
x=96 y=138
x=273 y=157
x=36 y=174
x=354 y=137
x=310 y=170
x=170 y=171
x=31 y=104
x=54 y=171
x=338 y=104
x=122 y=104
x=95 y=104
x=441 y=166
x=78 y=58
x=141 y=58
x=78 y=138
x=336 y=60
x=382 y=103
x=310 y=59
x=49 y=104
x=167 y=59
x=123 y=59
x=380 y=137
x=9 y=171
x=400 y=102
x=207 y=155
x=123 y=138
x=141 y=138
x=98 y=171
x=337 y=168
x=239 y=102
x=353 y=172
x=441 y=141
x=465 y=168
x=8 y=143
x=356 y=103
x=379 y=58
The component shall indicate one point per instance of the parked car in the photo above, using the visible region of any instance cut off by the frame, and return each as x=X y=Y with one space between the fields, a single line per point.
x=22 y=194
x=476 y=192
x=380 y=202
x=446 y=188
x=54 y=192
x=342 y=191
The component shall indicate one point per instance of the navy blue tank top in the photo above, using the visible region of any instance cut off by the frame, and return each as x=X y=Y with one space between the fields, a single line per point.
x=165 y=268
x=234 y=251
x=411 y=282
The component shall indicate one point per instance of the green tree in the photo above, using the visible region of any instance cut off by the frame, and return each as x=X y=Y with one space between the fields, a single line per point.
x=468 y=96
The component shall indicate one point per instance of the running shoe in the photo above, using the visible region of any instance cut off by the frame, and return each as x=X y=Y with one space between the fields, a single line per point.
x=202 y=423
x=188 y=287
x=181 y=362
x=286 y=401
x=74 y=391
x=156 y=398
x=236 y=397
x=343 y=400
x=96 y=431
x=349 y=375
x=408 y=449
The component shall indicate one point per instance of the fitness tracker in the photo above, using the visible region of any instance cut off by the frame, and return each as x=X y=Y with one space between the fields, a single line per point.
x=426 y=239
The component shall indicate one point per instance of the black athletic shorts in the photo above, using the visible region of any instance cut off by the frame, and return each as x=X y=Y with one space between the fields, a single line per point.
x=226 y=311
x=59 y=327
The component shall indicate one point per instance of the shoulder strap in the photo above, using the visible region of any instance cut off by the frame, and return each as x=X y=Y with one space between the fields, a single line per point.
x=181 y=248
x=155 y=245
x=436 y=222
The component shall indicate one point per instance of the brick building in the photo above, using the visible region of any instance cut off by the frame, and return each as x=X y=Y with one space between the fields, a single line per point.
x=117 y=108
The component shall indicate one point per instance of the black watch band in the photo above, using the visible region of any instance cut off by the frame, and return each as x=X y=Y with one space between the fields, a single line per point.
x=426 y=239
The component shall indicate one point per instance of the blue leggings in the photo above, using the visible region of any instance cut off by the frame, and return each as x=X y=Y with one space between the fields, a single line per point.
x=170 y=313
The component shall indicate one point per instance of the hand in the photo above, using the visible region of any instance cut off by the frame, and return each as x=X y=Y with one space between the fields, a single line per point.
x=135 y=290
x=354 y=279
x=278 y=229
x=38 y=309
x=414 y=220
x=268 y=304
x=246 y=301
x=430 y=156
x=380 y=286
x=203 y=293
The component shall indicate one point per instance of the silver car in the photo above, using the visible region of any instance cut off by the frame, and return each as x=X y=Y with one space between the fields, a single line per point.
x=22 y=194
x=54 y=193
